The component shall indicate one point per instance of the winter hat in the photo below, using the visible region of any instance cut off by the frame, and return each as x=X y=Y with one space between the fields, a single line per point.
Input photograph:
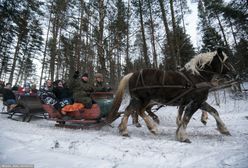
x=26 y=85
x=85 y=75
x=98 y=75
x=8 y=84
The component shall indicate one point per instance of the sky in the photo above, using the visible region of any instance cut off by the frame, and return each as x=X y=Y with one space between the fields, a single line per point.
x=191 y=24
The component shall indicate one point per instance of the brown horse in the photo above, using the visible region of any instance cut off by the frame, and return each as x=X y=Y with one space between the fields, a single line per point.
x=187 y=88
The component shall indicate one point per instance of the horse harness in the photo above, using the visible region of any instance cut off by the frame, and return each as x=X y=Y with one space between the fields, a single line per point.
x=190 y=86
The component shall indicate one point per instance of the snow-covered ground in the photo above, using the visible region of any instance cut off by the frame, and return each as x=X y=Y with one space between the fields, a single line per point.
x=45 y=146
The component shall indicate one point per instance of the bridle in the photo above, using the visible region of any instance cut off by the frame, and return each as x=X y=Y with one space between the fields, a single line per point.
x=223 y=62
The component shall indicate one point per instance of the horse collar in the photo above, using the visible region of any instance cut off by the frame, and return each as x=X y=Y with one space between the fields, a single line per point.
x=140 y=77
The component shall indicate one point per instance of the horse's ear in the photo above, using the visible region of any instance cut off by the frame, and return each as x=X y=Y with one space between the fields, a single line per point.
x=219 y=52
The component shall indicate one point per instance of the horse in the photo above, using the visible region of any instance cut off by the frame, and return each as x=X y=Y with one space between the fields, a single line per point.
x=187 y=88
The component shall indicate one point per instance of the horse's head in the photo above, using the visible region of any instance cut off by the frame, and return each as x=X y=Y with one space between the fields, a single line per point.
x=210 y=63
x=220 y=64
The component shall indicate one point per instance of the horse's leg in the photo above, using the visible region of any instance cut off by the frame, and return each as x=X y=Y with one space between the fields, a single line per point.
x=149 y=122
x=181 y=130
x=180 y=114
x=204 y=117
x=123 y=125
x=220 y=124
x=151 y=114
x=135 y=118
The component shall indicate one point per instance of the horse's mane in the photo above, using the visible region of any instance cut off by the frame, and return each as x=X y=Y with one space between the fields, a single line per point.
x=199 y=61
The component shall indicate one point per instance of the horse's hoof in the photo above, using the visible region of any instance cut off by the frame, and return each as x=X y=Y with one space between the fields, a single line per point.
x=227 y=133
x=156 y=121
x=154 y=131
x=138 y=125
x=224 y=132
x=125 y=135
x=204 y=122
x=186 y=141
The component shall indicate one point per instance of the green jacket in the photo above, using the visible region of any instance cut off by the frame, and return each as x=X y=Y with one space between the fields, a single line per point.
x=81 y=91
x=100 y=87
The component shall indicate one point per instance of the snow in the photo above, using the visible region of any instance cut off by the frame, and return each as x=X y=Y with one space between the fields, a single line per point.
x=45 y=146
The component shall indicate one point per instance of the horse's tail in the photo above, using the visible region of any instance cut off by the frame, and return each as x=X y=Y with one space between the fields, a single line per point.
x=113 y=114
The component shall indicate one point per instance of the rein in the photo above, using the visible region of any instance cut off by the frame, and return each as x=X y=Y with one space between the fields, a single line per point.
x=190 y=84
x=189 y=87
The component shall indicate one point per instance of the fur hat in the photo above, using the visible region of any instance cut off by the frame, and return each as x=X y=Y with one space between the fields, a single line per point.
x=85 y=75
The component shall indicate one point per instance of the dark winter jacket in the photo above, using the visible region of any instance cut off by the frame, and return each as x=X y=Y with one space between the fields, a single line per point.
x=8 y=94
x=62 y=93
x=64 y=96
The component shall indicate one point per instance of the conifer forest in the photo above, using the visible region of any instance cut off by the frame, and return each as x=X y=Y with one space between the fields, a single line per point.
x=51 y=39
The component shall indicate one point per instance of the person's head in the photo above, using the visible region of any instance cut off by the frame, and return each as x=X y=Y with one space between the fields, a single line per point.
x=8 y=86
x=2 y=83
x=85 y=77
x=60 y=83
x=33 y=86
x=26 y=87
x=49 y=83
x=99 y=77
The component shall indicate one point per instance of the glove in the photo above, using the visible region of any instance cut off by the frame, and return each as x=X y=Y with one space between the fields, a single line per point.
x=88 y=105
x=76 y=74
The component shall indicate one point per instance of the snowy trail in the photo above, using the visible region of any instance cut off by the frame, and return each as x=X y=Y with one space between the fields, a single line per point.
x=45 y=146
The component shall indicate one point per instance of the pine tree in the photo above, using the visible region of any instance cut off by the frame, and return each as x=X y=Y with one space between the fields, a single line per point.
x=241 y=55
x=210 y=37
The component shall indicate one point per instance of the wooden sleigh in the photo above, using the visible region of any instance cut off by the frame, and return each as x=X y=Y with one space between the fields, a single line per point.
x=27 y=107
x=84 y=118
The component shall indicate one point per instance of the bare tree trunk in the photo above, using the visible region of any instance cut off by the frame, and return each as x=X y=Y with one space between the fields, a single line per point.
x=100 y=48
x=45 y=50
x=146 y=58
x=58 y=60
x=167 y=31
x=54 y=47
x=154 y=52
x=78 y=46
x=127 y=39
x=183 y=22
x=13 y=67
x=175 y=35
x=4 y=62
x=222 y=30
x=233 y=34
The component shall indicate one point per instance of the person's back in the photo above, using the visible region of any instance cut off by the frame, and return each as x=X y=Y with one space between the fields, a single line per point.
x=8 y=95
